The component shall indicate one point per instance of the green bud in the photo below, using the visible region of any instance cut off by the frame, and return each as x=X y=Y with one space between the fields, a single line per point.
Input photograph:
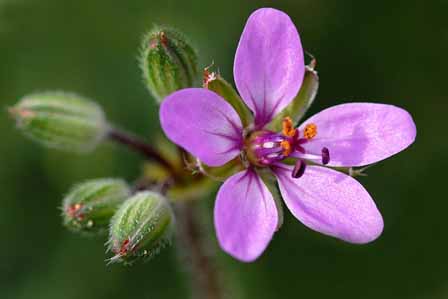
x=219 y=85
x=141 y=227
x=168 y=62
x=302 y=102
x=61 y=120
x=88 y=207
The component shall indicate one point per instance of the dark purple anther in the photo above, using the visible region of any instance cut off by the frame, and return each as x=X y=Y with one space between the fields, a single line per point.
x=325 y=156
x=299 y=169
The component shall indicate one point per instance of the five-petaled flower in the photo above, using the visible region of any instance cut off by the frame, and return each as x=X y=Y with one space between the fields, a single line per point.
x=268 y=71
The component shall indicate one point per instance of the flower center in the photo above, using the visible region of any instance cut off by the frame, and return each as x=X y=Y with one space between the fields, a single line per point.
x=264 y=148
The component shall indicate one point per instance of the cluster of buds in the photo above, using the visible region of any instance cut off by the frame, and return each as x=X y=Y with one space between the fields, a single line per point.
x=139 y=223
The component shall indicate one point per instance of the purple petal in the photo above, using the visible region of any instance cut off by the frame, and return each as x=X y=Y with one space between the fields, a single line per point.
x=269 y=65
x=203 y=123
x=331 y=203
x=245 y=216
x=358 y=134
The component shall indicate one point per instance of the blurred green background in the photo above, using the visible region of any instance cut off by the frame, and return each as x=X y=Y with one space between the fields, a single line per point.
x=380 y=51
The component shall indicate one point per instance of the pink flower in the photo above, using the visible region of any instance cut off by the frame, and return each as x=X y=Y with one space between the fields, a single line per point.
x=268 y=71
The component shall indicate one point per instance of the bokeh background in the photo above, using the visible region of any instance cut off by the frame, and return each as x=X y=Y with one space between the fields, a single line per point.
x=379 y=51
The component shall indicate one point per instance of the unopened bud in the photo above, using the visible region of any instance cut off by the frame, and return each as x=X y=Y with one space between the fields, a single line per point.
x=88 y=207
x=168 y=62
x=61 y=120
x=141 y=227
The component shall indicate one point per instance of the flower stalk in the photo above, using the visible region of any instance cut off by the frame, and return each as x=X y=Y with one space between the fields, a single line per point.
x=138 y=145
x=196 y=250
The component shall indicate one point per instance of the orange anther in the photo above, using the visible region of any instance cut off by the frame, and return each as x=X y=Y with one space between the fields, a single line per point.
x=287 y=127
x=287 y=148
x=310 y=131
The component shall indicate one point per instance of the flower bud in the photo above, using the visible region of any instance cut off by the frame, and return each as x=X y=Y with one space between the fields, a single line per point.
x=168 y=62
x=88 y=207
x=141 y=227
x=61 y=120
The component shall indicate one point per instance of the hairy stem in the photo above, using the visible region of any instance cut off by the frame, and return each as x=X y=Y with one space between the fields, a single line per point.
x=205 y=280
x=140 y=146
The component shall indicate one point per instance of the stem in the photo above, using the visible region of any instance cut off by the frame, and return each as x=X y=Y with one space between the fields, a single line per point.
x=140 y=146
x=204 y=275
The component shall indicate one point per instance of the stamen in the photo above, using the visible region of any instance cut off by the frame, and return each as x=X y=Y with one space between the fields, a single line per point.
x=288 y=127
x=325 y=156
x=287 y=148
x=299 y=169
x=310 y=131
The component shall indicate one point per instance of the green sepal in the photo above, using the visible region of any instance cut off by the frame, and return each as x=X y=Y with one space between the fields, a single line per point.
x=215 y=82
x=204 y=180
x=142 y=226
x=168 y=62
x=60 y=120
x=302 y=102
x=89 y=206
